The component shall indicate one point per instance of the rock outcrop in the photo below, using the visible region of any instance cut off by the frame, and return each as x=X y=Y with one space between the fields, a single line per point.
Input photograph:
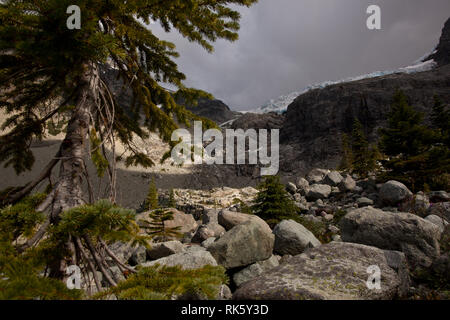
x=334 y=271
x=243 y=245
x=214 y=110
x=192 y=259
x=406 y=232
x=293 y=238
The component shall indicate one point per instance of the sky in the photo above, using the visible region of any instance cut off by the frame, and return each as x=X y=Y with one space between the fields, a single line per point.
x=286 y=45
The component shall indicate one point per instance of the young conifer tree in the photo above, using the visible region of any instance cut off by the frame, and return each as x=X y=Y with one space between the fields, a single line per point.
x=172 y=203
x=152 y=202
x=156 y=226
x=47 y=70
x=273 y=203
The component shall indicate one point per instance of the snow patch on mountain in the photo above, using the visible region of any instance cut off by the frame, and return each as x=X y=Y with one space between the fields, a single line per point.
x=280 y=104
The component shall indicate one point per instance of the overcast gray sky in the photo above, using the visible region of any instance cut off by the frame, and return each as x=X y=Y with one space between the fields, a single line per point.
x=286 y=45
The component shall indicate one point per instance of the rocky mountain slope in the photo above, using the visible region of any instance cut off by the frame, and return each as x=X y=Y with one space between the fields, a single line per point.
x=310 y=134
x=215 y=110
x=345 y=228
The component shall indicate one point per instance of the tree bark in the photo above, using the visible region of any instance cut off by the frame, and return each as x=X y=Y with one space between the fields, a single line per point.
x=68 y=188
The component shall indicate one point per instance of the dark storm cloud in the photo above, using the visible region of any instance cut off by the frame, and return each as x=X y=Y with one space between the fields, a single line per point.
x=286 y=45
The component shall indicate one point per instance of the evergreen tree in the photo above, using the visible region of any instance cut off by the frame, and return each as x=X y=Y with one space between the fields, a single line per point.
x=156 y=226
x=347 y=155
x=172 y=203
x=152 y=202
x=360 y=149
x=419 y=156
x=405 y=134
x=440 y=118
x=273 y=203
x=47 y=70
x=358 y=155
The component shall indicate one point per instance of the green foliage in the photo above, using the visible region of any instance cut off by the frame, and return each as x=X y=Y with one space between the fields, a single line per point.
x=273 y=203
x=172 y=203
x=152 y=201
x=101 y=219
x=347 y=155
x=244 y=208
x=99 y=161
x=41 y=61
x=165 y=283
x=21 y=278
x=21 y=273
x=405 y=134
x=419 y=156
x=21 y=219
x=440 y=118
x=156 y=227
x=358 y=155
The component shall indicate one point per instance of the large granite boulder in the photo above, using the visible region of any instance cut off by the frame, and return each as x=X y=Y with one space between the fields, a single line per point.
x=316 y=175
x=205 y=231
x=441 y=209
x=416 y=237
x=347 y=184
x=186 y=222
x=230 y=219
x=335 y=271
x=293 y=238
x=254 y=270
x=164 y=249
x=192 y=259
x=318 y=191
x=333 y=179
x=394 y=192
x=243 y=245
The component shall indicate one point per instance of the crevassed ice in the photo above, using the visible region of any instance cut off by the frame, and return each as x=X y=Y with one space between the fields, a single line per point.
x=280 y=104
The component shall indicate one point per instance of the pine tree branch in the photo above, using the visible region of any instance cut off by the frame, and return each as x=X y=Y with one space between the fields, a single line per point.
x=30 y=186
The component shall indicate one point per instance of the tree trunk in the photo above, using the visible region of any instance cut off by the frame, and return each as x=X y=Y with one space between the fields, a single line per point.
x=68 y=188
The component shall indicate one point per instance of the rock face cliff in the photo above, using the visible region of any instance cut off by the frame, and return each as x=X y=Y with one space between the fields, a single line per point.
x=214 y=110
x=310 y=135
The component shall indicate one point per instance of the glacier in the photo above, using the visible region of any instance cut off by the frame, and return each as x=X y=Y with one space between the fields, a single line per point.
x=280 y=104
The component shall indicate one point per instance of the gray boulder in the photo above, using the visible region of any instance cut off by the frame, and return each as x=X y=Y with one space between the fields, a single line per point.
x=316 y=175
x=318 y=191
x=208 y=242
x=439 y=196
x=122 y=250
x=438 y=221
x=254 y=270
x=347 y=184
x=291 y=188
x=193 y=259
x=333 y=179
x=335 y=271
x=230 y=219
x=416 y=237
x=364 y=202
x=243 y=245
x=302 y=186
x=139 y=256
x=210 y=216
x=164 y=249
x=186 y=222
x=206 y=231
x=394 y=192
x=293 y=238
x=441 y=209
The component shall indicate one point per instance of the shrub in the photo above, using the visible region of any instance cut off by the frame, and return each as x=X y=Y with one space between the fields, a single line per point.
x=273 y=203
x=166 y=283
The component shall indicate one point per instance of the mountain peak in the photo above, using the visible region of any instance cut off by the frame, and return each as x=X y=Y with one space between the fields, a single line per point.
x=442 y=54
